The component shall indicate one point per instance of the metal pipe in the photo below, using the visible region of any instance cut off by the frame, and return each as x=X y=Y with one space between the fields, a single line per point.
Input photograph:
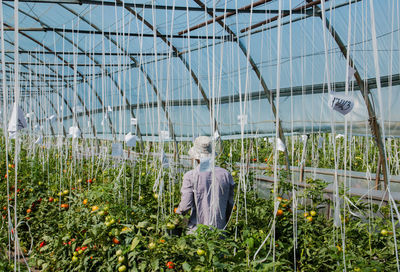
x=224 y=16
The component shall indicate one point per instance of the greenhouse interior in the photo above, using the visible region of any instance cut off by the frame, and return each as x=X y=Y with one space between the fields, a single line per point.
x=200 y=135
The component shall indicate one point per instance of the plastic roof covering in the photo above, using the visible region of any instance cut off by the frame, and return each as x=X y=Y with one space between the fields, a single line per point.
x=157 y=87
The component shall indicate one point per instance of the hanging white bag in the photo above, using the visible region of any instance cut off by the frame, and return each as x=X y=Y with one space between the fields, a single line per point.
x=341 y=103
x=130 y=140
x=116 y=150
x=75 y=132
x=280 y=145
x=17 y=120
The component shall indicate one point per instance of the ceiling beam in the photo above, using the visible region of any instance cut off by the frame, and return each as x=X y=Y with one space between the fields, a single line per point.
x=386 y=81
x=113 y=33
x=65 y=53
x=224 y=16
x=150 y=6
x=76 y=64
x=283 y=14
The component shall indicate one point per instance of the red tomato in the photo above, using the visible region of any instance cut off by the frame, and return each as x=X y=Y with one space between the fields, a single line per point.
x=116 y=241
x=170 y=265
x=42 y=244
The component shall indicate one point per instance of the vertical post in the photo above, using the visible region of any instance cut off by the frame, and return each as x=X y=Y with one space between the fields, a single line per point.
x=378 y=173
x=364 y=89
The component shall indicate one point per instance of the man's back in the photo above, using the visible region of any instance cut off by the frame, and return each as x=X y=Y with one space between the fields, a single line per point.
x=210 y=203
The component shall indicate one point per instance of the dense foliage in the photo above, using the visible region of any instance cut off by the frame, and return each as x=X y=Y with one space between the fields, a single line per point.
x=101 y=214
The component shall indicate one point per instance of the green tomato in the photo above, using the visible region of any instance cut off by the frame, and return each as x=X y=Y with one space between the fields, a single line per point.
x=75 y=253
x=152 y=245
x=119 y=252
x=74 y=259
x=201 y=252
x=170 y=226
x=121 y=259
x=313 y=213
x=384 y=232
x=234 y=173
x=122 y=268
x=101 y=213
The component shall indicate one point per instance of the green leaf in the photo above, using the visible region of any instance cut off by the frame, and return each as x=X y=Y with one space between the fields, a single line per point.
x=186 y=267
x=87 y=241
x=134 y=243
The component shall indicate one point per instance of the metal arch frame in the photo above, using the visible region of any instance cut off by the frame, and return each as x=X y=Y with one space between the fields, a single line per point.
x=26 y=67
x=171 y=128
x=268 y=93
x=146 y=6
x=365 y=91
x=122 y=92
x=85 y=80
x=80 y=99
x=186 y=64
x=42 y=110
x=64 y=61
x=51 y=126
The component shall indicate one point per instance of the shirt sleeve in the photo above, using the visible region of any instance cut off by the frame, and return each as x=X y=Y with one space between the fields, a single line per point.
x=231 y=189
x=229 y=205
x=187 y=196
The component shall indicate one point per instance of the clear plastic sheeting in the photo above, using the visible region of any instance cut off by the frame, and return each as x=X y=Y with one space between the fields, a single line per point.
x=103 y=67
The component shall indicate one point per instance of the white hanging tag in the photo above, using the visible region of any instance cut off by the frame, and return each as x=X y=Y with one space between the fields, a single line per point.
x=75 y=132
x=164 y=134
x=304 y=138
x=350 y=73
x=133 y=121
x=280 y=145
x=30 y=115
x=103 y=121
x=242 y=118
x=60 y=142
x=130 y=140
x=339 y=136
x=12 y=135
x=342 y=104
x=17 y=120
x=265 y=139
x=39 y=140
x=320 y=142
x=52 y=118
x=164 y=160
x=216 y=135
x=205 y=164
x=116 y=150
x=109 y=109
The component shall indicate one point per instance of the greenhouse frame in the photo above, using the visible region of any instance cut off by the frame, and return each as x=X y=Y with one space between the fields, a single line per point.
x=102 y=102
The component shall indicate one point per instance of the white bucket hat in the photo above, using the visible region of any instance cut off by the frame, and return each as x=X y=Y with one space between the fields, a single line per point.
x=201 y=148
